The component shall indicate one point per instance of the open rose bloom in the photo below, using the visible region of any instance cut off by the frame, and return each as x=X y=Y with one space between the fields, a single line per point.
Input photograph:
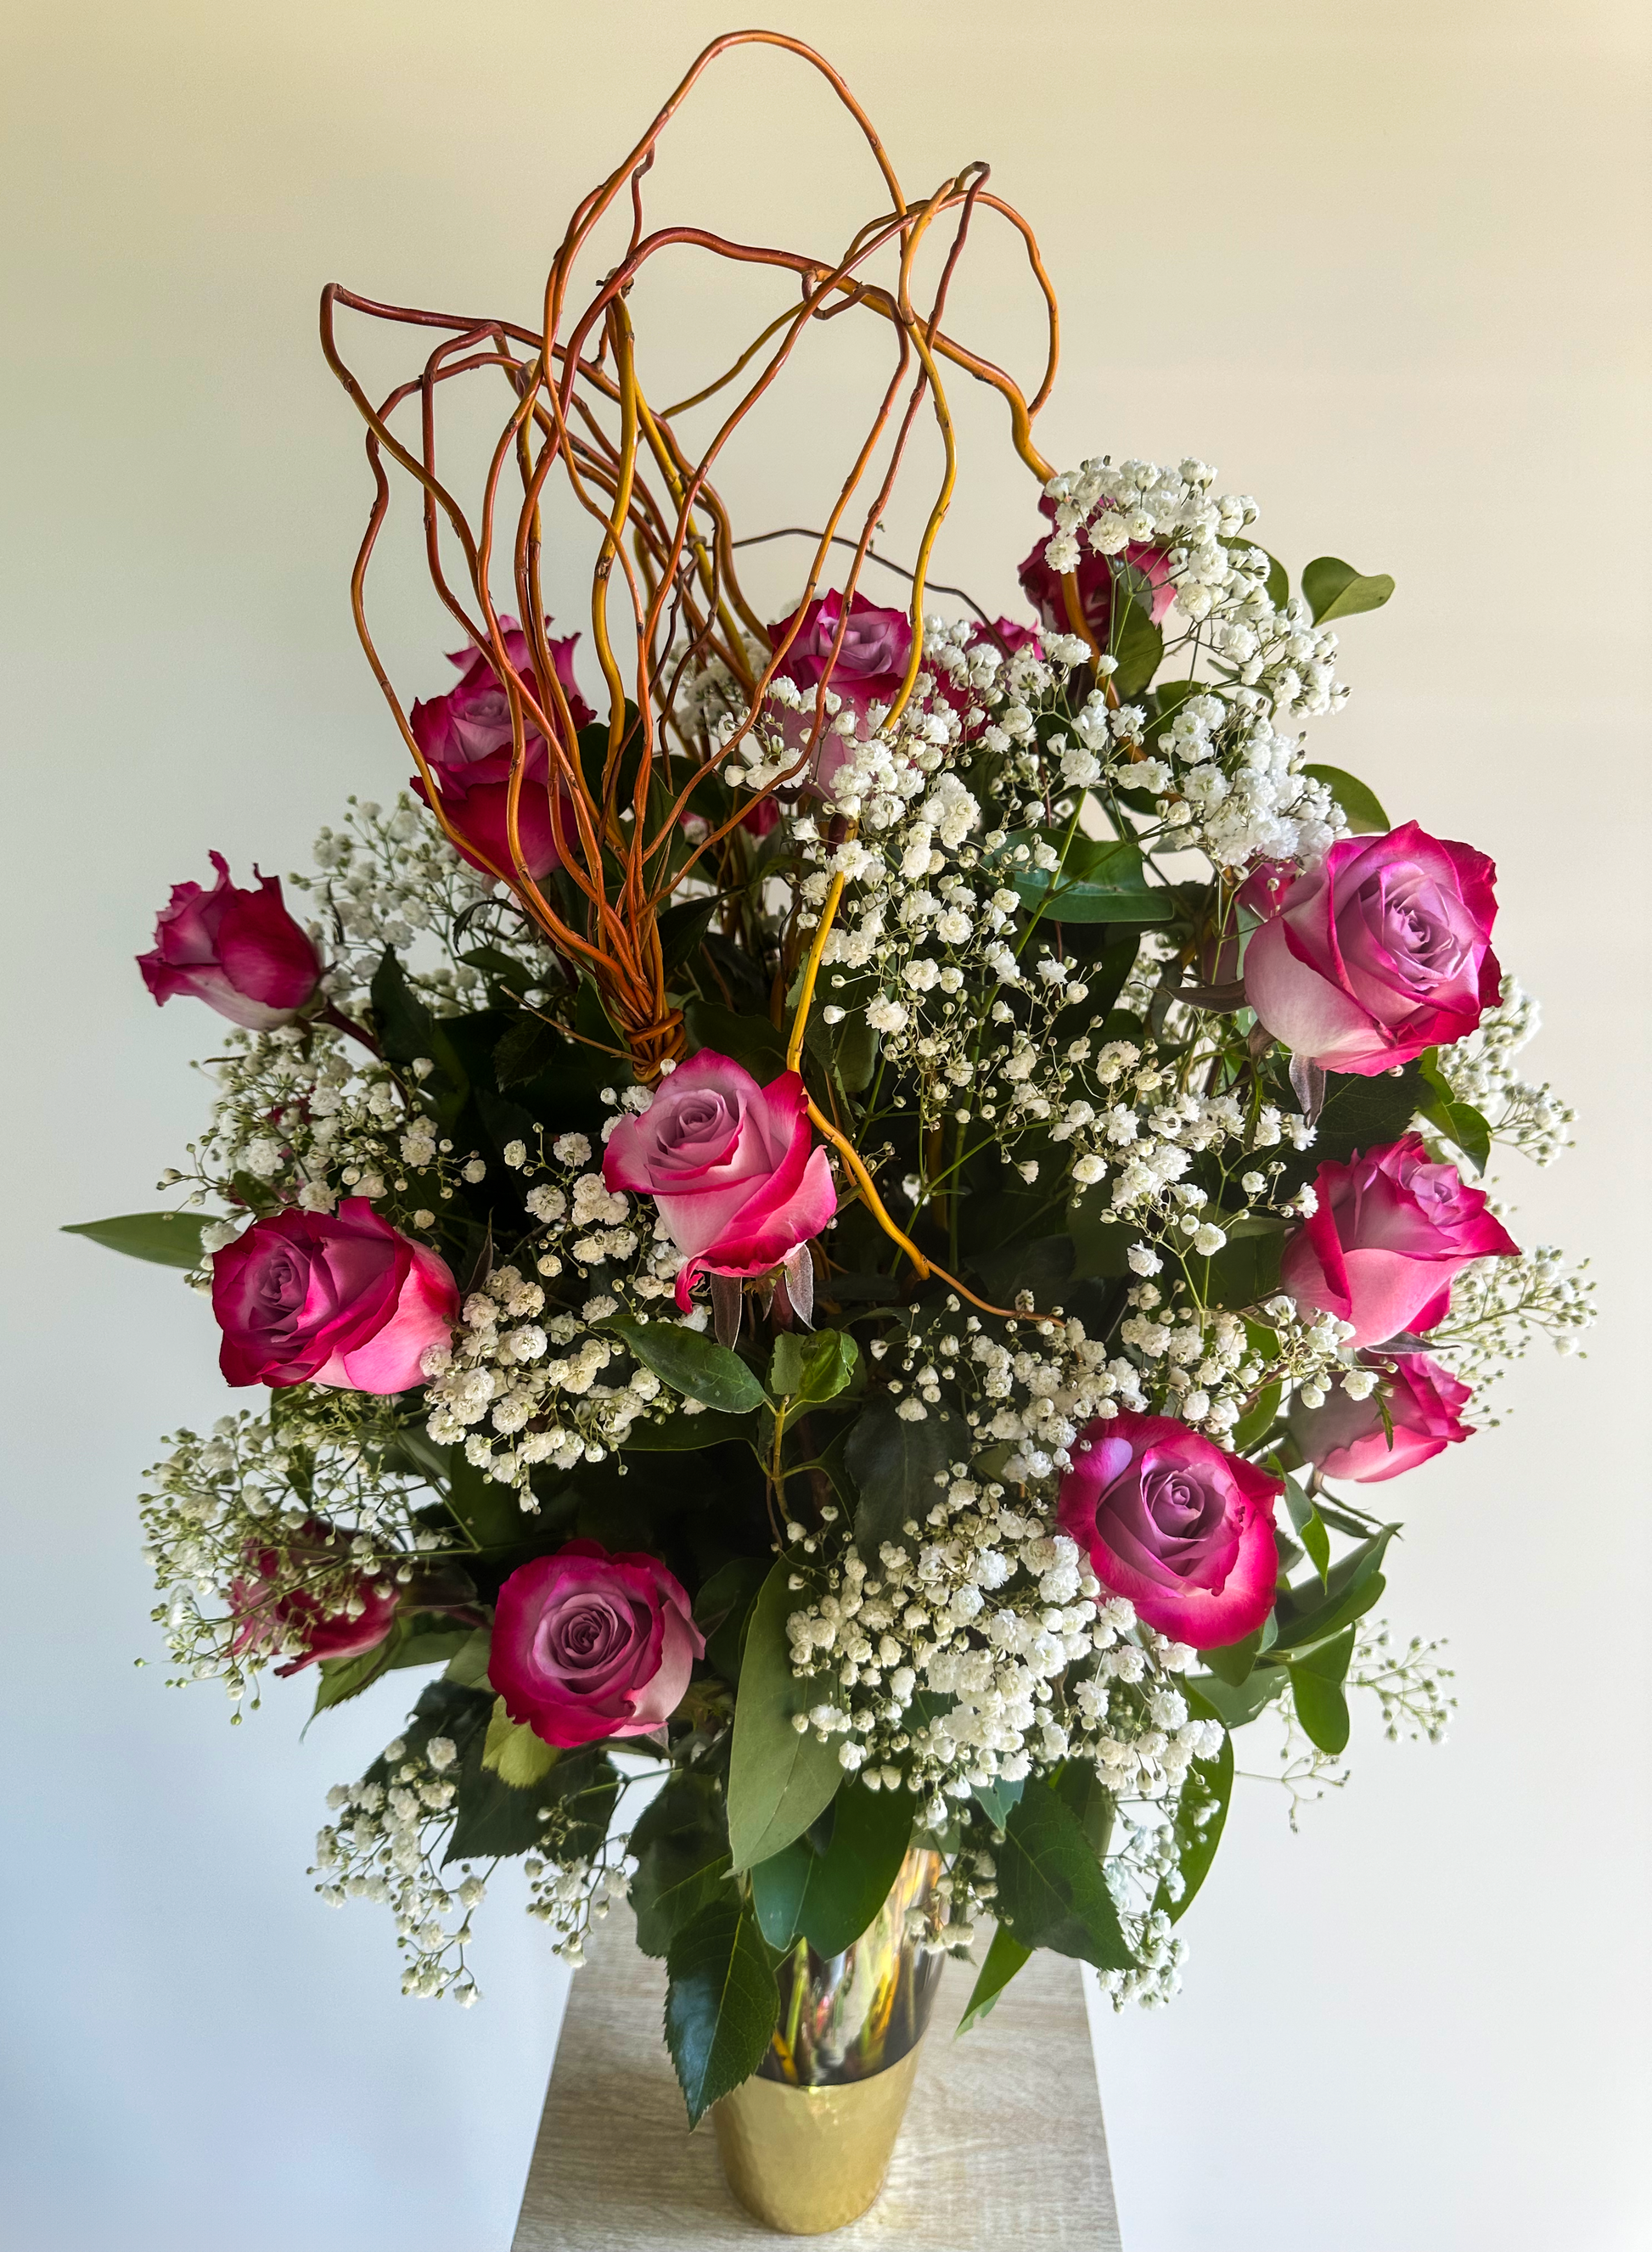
x=310 y=1297
x=1167 y=1520
x=740 y=1183
x=1391 y=1231
x=1382 y=951
x=587 y=1646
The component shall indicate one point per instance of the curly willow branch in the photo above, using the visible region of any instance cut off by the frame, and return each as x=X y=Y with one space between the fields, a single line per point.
x=579 y=423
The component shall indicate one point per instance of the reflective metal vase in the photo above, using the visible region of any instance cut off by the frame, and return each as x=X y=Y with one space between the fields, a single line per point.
x=807 y=2140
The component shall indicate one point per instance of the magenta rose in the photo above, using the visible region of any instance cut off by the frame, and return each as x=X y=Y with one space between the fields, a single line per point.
x=465 y=735
x=357 y=1623
x=1181 y=1529
x=1383 y=951
x=1042 y=586
x=1391 y=1231
x=731 y=1164
x=587 y=1646
x=240 y=952
x=313 y=1297
x=1347 y=1439
x=870 y=668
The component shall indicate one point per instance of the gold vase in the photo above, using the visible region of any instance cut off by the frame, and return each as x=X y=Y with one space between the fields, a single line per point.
x=806 y=2142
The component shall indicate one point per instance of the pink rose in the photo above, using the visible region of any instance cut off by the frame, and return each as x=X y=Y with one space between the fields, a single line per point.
x=356 y=1622
x=1347 y=1438
x=731 y=1164
x=1042 y=586
x=1382 y=951
x=308 y=1297
x=1391 y=1231
x=466 y=737
x=870 y=669
x=587 y=1646
x=240 y=952
x=1181 y=1529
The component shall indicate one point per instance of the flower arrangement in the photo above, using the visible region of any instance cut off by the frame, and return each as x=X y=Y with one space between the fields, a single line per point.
x=839 y=1230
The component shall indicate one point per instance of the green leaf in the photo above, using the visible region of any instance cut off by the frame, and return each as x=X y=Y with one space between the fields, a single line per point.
x=1278 y=578
x=169 y=1239
x=438 y=1642
x=1317 y=1686
x=1309 y=1527
x=468 y=1664
x=1138 y=645
x=1254 y=1426
x=1005 y=1957
x=1459 y=1121
x=1235 y=1707
x=513 y=1751
x=812 y=1368
x=1201 y=1815
x=721 y=2003
x=681 y=1844
x=896 y=1467
x=1082 y=1791
x=1335 y=589
x=1351 y=1587
x=829 y=1898
x=337 y=1680
x=685 y=1434
x=995 y=1799
x=1359 y=1113
x=1246 y=1269
x=1051 y=1892
x=1099 y=880
x=1365 y=815
x=780 y=1777
x=752 y=1041
x=723 y=1606
x=532 y=1046
x=1234 y=1661
x=497 y=1818
x=695 y=1365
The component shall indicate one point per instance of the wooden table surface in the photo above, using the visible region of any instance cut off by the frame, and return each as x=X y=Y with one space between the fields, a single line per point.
x=1004 y=2145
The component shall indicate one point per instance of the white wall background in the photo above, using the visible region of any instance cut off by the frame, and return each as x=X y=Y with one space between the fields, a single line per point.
x=1386 y=266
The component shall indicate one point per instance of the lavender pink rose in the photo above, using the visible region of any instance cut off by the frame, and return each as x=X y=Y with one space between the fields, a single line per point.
x=1095 y=577
x=343 y=1299
x=1391 y=1231
x=1382 y=951
x=1348 y=1439
x=587 y=1646
x=465 y=737
x=731 y=1165
x=868 y=668
x=1167 y=1520
x=238 y=951
x=359 y=1623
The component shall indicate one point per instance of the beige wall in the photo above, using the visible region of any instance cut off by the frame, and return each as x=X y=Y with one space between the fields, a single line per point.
x=1386 y=266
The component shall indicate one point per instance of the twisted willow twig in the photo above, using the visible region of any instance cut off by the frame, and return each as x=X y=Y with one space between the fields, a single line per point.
x=578 y=406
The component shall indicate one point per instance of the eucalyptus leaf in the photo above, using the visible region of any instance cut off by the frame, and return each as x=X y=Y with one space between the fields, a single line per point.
x=1309 y=1526
x=1365 y=812
x=780 y=1777
x=1335 y=589
x=1005 y=1956
x=167 y=1239
x=681 y=1844
x=1316 y=1687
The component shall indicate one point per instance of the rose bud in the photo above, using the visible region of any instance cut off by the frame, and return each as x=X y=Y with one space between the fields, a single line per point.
x=240 y=952
x=311 y=1297
x=731 y=1166
x=1391 y=1230
x=353 y=1623
x=587 y=1646
x=465 y=736
x=1347 y=1439
x=1382 y=951
x=870 y=669
x=1168 y=1520
x=1094 y=574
